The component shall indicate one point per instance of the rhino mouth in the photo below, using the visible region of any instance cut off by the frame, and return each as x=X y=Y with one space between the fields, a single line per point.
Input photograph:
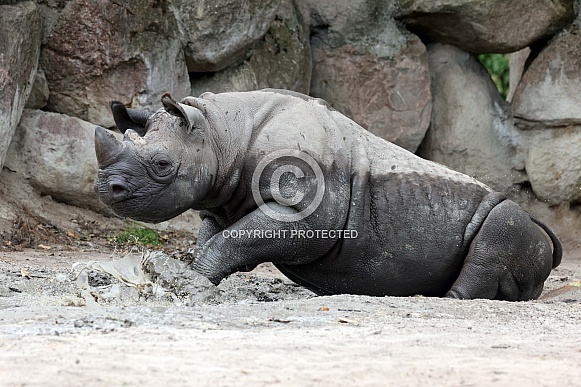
x=127 y=209
x=123 y=208
x=126 y=203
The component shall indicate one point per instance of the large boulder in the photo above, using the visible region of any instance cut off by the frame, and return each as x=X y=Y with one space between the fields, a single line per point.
x=216 y=33
x=280 y=59
x=486 y=26
x=20 y=34
x=103 y=50
x=56 y=153
x=553 y=164
x=370 y=69
x=549 y=93
x=471 y=130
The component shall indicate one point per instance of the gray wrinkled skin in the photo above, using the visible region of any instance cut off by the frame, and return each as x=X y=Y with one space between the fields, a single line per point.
x=421 y=228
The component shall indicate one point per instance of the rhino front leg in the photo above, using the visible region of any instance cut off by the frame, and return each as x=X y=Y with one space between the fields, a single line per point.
x=257 y=238
x=208 y=229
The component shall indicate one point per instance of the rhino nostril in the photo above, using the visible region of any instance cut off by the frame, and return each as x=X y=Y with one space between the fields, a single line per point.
x=116 y=188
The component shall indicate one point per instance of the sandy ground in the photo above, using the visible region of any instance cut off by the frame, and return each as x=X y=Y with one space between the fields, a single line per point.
x=267 y=331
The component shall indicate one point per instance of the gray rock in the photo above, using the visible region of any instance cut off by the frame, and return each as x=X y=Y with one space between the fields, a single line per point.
x=369 y=69
x=216 y=33
x=281 y=59
x=553 y=164
x=103 y=51
x=56 y=153
x=39 y=94
x=486 y=26
x=517 y=64
x=549 y=94
x=20 y=32
x=471 y=130
x=50 y=11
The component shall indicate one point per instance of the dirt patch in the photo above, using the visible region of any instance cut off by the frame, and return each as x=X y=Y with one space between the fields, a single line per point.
x=266 y=330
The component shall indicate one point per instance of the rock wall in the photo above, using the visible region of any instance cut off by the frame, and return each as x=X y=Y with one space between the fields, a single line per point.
x=102 y=50
x=404 y=69
x=44 y=140
x=20 y=29
x=471 y=130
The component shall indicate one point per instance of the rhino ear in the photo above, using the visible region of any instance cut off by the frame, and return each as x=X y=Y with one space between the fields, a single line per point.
x=193 y=117
x=129 y=118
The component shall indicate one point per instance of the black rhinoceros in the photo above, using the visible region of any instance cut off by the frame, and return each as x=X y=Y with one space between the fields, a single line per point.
x=281 y=177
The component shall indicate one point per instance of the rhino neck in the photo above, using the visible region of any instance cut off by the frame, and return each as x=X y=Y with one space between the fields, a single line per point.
x=236 y=119
x=230 y=135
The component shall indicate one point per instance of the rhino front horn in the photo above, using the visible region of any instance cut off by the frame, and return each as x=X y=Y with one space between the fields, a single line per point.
x=107 y=147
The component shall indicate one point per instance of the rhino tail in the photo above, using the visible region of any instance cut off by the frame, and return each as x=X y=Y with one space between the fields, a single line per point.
x=557 y=246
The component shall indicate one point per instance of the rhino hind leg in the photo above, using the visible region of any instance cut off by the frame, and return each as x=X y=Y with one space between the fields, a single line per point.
x=509 y=258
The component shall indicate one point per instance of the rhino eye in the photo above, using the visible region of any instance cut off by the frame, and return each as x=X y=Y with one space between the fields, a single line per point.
x=162 y=166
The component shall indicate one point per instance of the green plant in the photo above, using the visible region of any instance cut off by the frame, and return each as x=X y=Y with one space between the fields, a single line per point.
x=137 y=235
x=498 y=68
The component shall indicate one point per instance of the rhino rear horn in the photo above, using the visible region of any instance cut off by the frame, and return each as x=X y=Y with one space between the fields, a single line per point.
x=129 y=118
x=191 y=115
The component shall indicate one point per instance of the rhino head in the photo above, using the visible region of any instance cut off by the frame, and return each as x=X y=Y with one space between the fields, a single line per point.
x=163 y=166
